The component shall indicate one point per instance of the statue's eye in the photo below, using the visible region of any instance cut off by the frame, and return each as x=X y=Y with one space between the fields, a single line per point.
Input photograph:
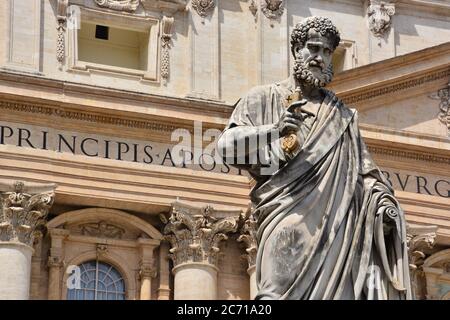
x=313 y=48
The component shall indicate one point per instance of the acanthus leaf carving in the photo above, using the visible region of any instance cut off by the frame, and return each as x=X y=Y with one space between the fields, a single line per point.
x=194 y=234
x=23 y=214
x=248 y=236
x=420 y=242
x=379 y=16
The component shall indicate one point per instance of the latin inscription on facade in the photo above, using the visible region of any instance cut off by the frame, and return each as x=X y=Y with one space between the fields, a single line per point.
x=154 y=153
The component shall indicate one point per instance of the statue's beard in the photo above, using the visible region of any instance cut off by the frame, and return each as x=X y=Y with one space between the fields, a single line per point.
x=304 y=75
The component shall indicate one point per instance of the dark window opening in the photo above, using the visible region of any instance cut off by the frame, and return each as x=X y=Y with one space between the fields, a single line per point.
x=101 y=32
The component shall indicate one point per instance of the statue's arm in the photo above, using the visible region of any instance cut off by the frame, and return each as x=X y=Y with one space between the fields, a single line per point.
x=240 y=144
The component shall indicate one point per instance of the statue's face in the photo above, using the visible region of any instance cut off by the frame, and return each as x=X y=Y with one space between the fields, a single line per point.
x=316 y=53
x=314 y=59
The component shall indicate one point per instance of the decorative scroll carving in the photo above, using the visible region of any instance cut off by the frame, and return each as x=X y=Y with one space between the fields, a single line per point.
x=102 y=230
x=380 y=13
x=420 y=240
x=61 y=30
x=203 y=7
x=166 y=37
x=194 y=234
x=444 y=107
x=248 y=236
x=272 y=9
x=120 y=5
x=23 y=212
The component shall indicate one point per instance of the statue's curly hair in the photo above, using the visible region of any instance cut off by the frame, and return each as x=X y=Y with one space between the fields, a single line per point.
x=321 y=24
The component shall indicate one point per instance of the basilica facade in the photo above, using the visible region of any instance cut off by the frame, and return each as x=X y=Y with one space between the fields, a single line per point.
x=99 y=98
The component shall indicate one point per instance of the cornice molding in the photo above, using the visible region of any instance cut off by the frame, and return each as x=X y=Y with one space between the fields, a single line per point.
x=409 y=154
x=86 y=116
x=393 y=86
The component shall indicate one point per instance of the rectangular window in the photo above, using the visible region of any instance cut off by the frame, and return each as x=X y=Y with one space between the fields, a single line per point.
x=112 y=46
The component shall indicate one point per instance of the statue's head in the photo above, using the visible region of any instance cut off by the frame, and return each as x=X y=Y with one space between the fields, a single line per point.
x=313 y=42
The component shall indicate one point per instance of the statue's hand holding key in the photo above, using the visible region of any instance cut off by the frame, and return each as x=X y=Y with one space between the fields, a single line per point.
x=289 y=124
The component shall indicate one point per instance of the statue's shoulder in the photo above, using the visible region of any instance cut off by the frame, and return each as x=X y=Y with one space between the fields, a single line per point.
x=339 y=103
x=260 y=91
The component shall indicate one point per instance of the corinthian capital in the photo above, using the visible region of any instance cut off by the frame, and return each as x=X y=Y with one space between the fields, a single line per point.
x=420 y=241
x=248 y=237
x=195 y=233
x=23 y=210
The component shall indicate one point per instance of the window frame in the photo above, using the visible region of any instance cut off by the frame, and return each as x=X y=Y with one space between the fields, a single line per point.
x=130 y=22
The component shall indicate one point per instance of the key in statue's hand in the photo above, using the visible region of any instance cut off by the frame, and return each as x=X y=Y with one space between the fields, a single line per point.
x=290 y=120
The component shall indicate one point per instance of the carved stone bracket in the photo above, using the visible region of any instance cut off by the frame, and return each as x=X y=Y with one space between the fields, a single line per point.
x=420 y=241
x=272 y=9
x=444 y=107
x=248 y=236
x=24 y=209
x=203 y=7
x=166 y=37
x=379 y=16
x=194 y=233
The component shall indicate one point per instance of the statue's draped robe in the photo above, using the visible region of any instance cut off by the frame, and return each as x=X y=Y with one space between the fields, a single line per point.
x=329 y=226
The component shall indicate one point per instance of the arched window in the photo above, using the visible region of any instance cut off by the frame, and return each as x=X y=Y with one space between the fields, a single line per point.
x=99 y=281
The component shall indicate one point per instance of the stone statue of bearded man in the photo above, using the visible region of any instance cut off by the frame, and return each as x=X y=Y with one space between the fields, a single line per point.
x=329 y=226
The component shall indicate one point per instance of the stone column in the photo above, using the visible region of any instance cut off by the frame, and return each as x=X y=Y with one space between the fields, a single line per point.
x=55 y=262
x=421 y=240
x=248 y=237
x=194 y=234
x=24 y=209
x=147 y=267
